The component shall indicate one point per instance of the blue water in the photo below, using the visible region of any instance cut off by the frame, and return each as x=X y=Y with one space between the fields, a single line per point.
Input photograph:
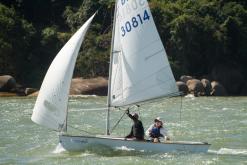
x=221 y=121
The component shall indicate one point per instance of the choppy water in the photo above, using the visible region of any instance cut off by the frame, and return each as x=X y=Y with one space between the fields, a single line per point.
x=221 y=121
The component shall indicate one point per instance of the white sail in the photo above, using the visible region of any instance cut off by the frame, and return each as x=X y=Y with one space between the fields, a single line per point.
x=51 y=104
x=140 y=68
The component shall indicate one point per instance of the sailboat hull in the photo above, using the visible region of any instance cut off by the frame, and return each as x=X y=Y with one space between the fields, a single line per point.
x=79 y=143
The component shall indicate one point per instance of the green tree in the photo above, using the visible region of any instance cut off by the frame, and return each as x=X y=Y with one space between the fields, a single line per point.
x=16 y=36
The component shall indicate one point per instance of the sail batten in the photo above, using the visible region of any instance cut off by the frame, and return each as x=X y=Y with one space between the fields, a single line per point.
x=50 y=109
x=141 y=70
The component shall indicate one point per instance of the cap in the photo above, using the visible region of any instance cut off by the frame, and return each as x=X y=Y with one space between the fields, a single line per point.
x=158 y=119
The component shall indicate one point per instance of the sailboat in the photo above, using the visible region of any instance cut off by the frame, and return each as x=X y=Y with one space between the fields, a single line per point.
x=139 y=72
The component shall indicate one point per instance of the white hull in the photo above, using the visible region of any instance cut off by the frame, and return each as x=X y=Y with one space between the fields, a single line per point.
x=79 y=143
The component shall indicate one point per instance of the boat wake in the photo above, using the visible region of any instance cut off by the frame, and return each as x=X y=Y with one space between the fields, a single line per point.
x=59 y=149
x=228 y=151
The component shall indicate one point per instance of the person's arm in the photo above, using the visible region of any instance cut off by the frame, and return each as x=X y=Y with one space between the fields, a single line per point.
x=148 y=131
x=130 y=116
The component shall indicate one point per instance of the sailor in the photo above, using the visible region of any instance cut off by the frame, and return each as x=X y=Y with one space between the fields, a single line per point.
x=156 y=132
x=137 y=130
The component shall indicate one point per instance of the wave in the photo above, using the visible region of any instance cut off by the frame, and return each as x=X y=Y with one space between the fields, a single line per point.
x=82 y=96
x=228 y=151
x=59 y=149
x=190 y=96
x=89 y=109
x=124 y=148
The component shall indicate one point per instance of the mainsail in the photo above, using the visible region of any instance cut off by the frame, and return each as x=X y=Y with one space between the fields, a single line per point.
x=140 y=70
x=51 y=105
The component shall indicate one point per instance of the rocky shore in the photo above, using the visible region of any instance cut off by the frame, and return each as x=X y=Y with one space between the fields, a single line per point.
x=79 y=86
x=98 y=86
x=203 y=87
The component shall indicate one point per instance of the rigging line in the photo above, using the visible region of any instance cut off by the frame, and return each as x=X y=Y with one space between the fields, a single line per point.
x=118 y=122
x=153 y=100
x=94 y=109
x=150 y=87
x=114 y=127
x=180 y=115
x=90 y=133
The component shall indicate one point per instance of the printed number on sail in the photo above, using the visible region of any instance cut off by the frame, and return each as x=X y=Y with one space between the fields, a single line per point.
x=134 y=23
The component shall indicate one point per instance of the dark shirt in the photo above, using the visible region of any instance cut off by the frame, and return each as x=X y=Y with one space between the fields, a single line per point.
x=137 y=130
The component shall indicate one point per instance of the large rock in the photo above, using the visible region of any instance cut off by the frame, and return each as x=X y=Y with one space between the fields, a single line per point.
x=185 y=78
x=230 y=77
x=218 y=89
x=7 y=94
x=93 y=86
x=195 y=87
x=207 y=86
x=29 y=91
x=182 y=87
x=35 y=94
x=7 y=83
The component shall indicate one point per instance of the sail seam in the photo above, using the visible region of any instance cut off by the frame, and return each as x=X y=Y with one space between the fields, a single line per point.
x=146 y=78
x=154 y=54
x=150 y=87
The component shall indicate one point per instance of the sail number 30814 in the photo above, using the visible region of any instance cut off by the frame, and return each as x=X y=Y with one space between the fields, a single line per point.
x=134 y=23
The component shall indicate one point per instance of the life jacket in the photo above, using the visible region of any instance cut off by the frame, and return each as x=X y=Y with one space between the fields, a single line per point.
x=155 y=132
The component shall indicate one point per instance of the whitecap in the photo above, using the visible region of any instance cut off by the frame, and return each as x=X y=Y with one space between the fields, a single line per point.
x=83 y=96
x=190 y=96
x=124 y=148
x=228 y=151
x=59 y=149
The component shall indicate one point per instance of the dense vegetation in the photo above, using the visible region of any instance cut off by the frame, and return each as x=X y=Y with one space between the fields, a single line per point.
x=198 y=35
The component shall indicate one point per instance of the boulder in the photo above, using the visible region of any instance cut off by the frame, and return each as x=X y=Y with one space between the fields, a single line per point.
x=182 y=87
x=185 y=78
x=207 y=86
x=7 y=83
x=20 y=91
x=218 y=89
x=93 y=86
x=35 y=94
x=7 y=94
x=195 y=87
x=29 y=91
x=230 y=77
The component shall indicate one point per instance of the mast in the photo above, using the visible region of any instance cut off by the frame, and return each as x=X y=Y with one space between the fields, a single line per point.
x=110 y=76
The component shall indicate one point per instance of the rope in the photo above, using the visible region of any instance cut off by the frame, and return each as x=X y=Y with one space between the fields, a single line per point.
x=113 y=128
x=118 y=122
x=180 y=114
x=94 y=109
x=181 y=106
x=90 y=133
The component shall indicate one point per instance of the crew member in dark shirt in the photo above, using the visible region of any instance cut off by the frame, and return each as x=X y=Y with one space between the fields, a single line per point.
x=137 y=130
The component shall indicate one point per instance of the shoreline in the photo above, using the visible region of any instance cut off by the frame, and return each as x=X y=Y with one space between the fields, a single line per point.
x=11 y=95
x=98 y=86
